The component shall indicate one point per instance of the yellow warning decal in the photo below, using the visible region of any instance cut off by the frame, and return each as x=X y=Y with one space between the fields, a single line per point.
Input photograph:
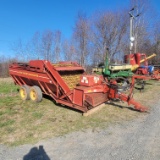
x=28 y=74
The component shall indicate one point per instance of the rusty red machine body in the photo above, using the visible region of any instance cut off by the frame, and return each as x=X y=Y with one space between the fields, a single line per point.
x=140 y=66
x=67 y=84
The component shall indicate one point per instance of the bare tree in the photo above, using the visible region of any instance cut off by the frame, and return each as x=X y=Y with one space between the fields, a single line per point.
x=156 y=41
x=57 y=45
x=157 y=36
x=47 y=43
x=28 y=50
x=51 y=45
x=81 y=36
x=109 y=31
x=35 y=46
x=41 y=46
x=69 y=50
x=20 y=50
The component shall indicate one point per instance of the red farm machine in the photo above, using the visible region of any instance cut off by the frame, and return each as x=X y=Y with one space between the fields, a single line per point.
x=140 y=66
x=67 y=84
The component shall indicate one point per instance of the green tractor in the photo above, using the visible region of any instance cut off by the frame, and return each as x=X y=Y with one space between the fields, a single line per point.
x=113 y=71
x=119 y=72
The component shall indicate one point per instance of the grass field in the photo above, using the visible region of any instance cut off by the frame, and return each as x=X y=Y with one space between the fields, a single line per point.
x=24 y=122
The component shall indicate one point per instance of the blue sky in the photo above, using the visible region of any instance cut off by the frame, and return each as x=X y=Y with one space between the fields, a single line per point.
x=20 y=19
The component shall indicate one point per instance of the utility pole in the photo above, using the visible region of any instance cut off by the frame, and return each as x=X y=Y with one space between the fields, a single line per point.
x=132 y=38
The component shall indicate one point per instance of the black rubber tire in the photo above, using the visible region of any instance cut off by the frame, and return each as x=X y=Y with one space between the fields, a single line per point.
x=24 y=92
x=35 y=94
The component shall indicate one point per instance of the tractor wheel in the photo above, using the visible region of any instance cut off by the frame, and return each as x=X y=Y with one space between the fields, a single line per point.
x=24 y=92
x=35 y=94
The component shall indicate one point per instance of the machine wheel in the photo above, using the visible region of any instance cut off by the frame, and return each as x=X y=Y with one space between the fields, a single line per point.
x=35 y=94
x=24 y=92
x=123 y=84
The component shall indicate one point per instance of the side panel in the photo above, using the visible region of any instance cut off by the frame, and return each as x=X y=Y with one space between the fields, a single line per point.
x=94 y=99
x=78 y=97
x=29 y=75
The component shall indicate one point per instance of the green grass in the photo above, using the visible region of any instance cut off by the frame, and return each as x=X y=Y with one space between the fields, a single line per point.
x=27 y=122
x=8 y=87
x=6 y=123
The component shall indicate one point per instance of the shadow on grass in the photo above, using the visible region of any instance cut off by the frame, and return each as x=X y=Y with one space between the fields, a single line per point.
x=78 y=111
x=119 y=106
x=61 y=105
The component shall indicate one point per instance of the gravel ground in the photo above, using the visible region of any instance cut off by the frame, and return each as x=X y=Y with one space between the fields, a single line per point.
x=135 y=140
